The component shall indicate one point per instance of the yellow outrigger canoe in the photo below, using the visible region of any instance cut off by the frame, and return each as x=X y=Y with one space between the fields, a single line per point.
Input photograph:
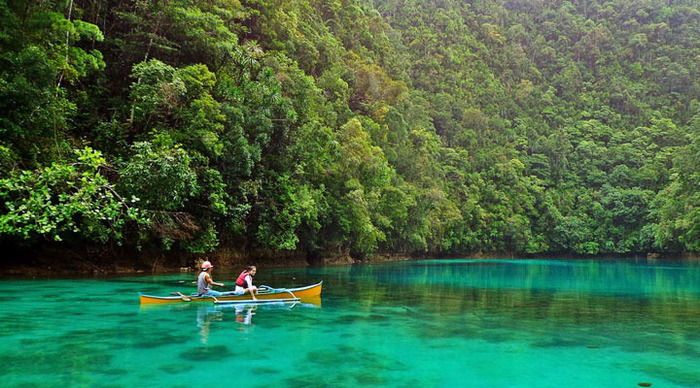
x=265 y=295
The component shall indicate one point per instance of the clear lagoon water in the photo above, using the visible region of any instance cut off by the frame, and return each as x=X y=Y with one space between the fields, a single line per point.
x=438 y=323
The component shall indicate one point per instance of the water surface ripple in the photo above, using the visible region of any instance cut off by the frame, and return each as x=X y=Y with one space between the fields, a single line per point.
x=438 y=323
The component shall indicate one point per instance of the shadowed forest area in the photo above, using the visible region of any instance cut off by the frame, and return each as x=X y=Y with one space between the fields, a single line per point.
x=350 y=127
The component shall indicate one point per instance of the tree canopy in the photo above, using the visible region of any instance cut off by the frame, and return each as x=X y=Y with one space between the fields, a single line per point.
x=352 y=126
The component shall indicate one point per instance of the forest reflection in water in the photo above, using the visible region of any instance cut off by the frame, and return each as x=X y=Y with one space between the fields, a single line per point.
x=598 y=301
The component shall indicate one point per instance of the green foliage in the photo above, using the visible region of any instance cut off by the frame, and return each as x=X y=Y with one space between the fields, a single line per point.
x=296 y=205
x=433 y=127
x=676 y=208
x=41 y=63
x=65 y=200
x=159 y=174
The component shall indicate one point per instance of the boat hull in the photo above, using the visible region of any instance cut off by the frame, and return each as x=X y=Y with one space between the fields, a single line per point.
x=308 y=292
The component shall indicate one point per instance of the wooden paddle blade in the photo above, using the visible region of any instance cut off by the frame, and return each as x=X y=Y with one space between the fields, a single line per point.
x=184 y=297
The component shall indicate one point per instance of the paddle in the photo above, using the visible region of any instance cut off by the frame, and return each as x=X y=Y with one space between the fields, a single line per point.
x=182 y=296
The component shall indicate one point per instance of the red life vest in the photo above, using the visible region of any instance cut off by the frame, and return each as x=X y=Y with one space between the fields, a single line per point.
x=241 y=279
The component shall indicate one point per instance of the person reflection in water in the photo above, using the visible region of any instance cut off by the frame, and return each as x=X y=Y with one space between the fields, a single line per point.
x=205 y=316
x=244 y=314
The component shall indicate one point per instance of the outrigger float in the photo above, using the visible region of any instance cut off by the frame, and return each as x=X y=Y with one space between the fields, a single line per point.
x=265 y=294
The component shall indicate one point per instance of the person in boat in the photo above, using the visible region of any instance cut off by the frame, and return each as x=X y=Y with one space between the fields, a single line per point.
x=244 y=283
x=204 y=281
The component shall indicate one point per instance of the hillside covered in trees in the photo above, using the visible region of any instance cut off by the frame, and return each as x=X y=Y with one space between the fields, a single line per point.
x=351 y=126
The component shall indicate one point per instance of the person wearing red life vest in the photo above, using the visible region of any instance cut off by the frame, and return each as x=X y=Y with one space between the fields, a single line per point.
x=244 y=283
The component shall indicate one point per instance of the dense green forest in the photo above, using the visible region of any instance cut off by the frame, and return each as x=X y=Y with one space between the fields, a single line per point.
x=351 y=126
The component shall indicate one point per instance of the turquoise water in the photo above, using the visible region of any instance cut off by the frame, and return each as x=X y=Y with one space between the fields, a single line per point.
x=446 y=323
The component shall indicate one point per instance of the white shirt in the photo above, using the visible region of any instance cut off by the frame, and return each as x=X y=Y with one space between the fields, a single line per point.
x=247 y=283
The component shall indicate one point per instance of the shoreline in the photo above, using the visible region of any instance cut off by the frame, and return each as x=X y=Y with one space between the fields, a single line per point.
x=66 y=263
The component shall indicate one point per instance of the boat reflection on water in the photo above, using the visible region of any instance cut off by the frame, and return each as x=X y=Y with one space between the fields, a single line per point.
x=243 y=313
x=208 y=314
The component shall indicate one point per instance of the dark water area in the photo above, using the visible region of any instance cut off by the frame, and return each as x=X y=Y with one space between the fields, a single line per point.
x=438 y=323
